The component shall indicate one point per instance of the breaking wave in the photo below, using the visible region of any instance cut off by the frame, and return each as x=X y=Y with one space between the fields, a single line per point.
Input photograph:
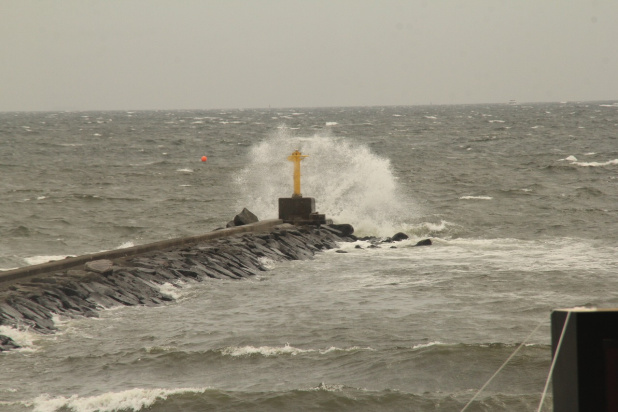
x=267 y=351
x=129 y=400
x=349 y=183
x=575 y=162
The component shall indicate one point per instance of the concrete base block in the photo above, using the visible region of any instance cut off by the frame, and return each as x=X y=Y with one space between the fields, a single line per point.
x=299 y=210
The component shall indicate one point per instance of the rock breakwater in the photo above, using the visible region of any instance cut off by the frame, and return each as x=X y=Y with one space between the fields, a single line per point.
x=31 y=303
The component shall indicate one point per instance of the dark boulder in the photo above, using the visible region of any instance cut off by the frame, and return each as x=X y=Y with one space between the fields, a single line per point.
x=397 y=237
x=345 y=229
x=7 y=343
x=244 y=218
x=425 y=242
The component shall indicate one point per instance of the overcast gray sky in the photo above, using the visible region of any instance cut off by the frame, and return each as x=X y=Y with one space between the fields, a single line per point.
x=181 y=54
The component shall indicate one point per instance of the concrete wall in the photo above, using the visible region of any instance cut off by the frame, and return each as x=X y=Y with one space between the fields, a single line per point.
x=61 y=265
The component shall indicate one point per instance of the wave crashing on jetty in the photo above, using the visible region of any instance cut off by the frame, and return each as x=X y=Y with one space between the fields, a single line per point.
x=349 y=182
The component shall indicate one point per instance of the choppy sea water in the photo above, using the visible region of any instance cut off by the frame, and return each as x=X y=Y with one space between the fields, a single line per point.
x=520 y=202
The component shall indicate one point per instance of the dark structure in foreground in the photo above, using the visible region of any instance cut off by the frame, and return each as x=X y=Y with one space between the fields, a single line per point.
x=585 y=348
x=29 y=299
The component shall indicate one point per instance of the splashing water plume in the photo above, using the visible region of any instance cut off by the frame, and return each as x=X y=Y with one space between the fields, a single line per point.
x=350 y=184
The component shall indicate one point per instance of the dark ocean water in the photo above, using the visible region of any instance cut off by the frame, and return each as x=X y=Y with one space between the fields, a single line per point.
x=521 y=202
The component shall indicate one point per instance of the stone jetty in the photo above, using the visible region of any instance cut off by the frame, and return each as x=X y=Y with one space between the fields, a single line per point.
x=76 y=287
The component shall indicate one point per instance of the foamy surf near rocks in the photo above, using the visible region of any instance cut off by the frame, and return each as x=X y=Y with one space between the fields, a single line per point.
x=375 y=242
x=32 y=302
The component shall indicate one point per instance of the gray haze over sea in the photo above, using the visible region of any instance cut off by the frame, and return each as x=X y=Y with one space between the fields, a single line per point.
x=521 y=202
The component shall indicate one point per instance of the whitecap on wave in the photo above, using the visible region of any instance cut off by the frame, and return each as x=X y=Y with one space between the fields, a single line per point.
x=328 y=387
x=36 y=260
x=575 y=162
x=171 y=289
x=126 y=244
x=268 y=351
x=132 y=400
x=476 y=198
x=427 y=345
x=613 y=162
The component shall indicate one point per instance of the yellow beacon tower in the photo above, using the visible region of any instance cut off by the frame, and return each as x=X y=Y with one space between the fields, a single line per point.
x=296 y=157
x=298 y=209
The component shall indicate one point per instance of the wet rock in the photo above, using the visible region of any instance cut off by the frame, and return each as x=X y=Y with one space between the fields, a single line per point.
x=9 y=314
x=238 y=271
x=40 y=317
x=43 y=280
x=211 y=273
x=253 y=265
x=166 y=274
x=332 y=230
x=101 y=294
x=51 y=302
x=243 y=218
x=425 y=242
x=189 y=273
x=295 y=248
x=397 y=237
x=345 y=229
x=7 y=343
x=222 y=270
x=30 y=310
x=102 y=266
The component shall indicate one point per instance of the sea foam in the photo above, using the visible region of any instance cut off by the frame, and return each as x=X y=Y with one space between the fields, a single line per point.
x=24 y=338
x=36 y=260
x=575 y=162
x=238 y=351
x=269 y=351
x=129 y=400
x=597 y=164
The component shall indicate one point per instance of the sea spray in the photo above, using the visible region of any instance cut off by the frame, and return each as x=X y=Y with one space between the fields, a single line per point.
x=349 y=182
